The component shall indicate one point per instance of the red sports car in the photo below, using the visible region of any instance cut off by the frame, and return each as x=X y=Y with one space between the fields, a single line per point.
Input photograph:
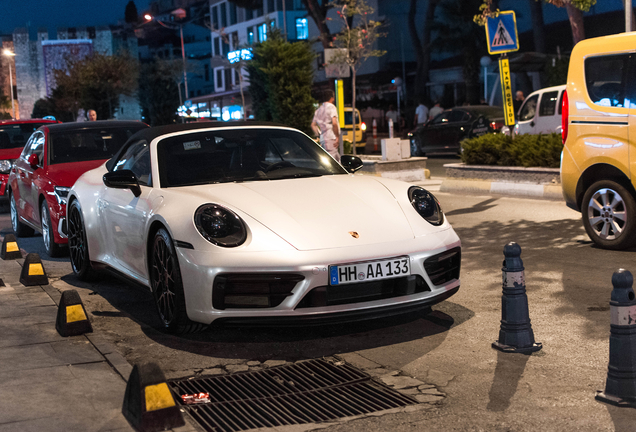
x=52 y=159
x=13 y=135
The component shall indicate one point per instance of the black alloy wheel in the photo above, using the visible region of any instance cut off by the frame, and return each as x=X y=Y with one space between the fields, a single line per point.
x=77 y=245
x=167 y=287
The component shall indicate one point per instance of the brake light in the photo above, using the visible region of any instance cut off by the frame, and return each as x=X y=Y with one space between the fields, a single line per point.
x=565 y=114
x=363 y=126
x=496 y=125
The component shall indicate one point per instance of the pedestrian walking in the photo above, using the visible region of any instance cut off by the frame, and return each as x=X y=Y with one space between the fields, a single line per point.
x=325 y=124
x=518 y=101
x=392 y=115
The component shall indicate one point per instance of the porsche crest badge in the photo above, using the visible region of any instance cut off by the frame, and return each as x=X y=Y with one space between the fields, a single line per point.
x=354 y=234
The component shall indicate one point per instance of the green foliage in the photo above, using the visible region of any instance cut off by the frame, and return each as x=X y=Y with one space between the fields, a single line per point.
x=281 y=77
x=556 y=71
x=524 y=150
x=485 y=10
x=159 y=92
x=95 y=82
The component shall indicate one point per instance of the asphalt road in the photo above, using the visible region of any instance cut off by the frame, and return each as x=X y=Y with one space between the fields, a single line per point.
x=568 y=286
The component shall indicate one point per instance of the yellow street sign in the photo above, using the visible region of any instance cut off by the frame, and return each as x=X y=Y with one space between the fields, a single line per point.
x=506 y=90
x=340 y=101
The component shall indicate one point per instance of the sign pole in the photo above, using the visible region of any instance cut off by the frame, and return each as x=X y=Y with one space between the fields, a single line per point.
x=506 y=91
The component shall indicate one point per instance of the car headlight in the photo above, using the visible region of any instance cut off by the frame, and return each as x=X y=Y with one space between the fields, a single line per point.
x=5 y=166
x=220 y=226
x=426 y=205
x=61 y=194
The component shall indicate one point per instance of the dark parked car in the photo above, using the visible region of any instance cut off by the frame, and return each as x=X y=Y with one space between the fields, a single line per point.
x=444 y=133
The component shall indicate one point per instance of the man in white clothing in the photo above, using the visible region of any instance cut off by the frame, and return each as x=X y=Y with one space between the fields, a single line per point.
x=326 y=125
x=421 y=114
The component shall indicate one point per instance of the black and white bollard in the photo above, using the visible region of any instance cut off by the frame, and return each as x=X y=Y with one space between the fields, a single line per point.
x=620 y=387
x=516 y=334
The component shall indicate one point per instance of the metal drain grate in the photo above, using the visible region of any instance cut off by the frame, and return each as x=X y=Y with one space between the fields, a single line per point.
x=306 y=392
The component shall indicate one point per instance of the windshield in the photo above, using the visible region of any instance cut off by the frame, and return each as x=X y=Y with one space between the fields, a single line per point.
x=16 y=135
x=88 y=144
x=239 y=155
x=348 y=115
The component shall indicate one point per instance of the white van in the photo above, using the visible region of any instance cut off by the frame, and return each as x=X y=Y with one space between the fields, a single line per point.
x=545 y=119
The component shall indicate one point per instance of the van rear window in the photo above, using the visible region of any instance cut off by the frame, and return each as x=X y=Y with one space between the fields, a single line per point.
x=605 y=78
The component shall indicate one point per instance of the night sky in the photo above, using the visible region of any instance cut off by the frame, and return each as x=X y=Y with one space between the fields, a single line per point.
x=62 y=13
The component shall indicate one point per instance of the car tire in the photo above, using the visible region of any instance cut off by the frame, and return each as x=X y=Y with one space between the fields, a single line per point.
x=167 y=286
x=53 y=249
x=77 y=244
x=609 y=215
x=20 y=229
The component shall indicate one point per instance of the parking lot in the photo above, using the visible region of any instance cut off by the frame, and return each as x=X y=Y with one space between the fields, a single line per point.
x=472 y=386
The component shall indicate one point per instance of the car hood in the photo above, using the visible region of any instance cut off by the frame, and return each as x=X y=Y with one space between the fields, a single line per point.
x=318 y=213
x=65 y=174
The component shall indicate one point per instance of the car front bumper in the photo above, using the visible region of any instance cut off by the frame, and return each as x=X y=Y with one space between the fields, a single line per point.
x=200 y=270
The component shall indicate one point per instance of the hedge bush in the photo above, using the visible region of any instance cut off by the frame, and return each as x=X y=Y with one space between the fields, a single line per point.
x=524 y=150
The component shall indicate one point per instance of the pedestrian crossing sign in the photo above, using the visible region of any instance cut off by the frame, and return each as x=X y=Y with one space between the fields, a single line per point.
x=501 y=32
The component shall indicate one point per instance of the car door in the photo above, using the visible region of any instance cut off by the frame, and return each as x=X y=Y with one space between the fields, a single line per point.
x=26 y=179
x=125 y=215
x=527 y=115
x=548 y=119
x=432 y=133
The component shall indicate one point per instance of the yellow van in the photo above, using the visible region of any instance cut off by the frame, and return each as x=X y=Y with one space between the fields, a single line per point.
x=599 y=136
x=347 y=130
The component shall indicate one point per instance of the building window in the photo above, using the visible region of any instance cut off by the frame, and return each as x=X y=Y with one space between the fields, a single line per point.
x=250 y=35
x=72 y=33
x=215 y=18
x=224 y=14
x=226 y=48
x=259 y=9
x=219 y=84
x=91 y=32
x=206 y=72
x=233 y=19
x=262 y=32
x=302 y=30
x=234 y=39
x=270 y=6
x=217 y=46
x=249 y=14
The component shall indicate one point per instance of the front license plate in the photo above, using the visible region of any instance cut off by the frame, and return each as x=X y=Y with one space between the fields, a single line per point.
x=369 y=271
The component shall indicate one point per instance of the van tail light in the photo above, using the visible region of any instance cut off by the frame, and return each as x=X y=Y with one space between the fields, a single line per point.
x=565 y=114
x=363 y=126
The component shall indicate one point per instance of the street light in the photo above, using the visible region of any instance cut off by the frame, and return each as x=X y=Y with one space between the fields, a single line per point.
x=10 y=54
x=149 y=18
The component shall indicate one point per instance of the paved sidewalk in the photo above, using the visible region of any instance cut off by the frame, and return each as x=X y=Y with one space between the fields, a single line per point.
x=51 y=383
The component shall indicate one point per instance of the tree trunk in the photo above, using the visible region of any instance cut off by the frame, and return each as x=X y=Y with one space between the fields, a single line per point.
x=538 y=31
x=319 y=14
x=422 y=47
x=576 y=22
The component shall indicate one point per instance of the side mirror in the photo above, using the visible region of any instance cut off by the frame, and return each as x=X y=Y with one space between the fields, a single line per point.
x=34 y=161
x=124 y=179
x=351 y=163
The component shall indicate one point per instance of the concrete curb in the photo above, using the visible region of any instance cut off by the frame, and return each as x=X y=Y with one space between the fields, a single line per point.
x=515 y=181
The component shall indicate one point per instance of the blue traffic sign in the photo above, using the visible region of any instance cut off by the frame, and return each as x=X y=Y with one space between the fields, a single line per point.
x=501 y=32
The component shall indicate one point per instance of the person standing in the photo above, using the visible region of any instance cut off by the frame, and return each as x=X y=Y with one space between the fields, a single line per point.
x=519 y=98
x=392 y=114
x=326 y=125
x=421 y=114
x=92 y=115
x=436 y=110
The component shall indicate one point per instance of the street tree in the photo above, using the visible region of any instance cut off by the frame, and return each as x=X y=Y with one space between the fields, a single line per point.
x=130 y=14
x=356 y=40
x=281 y=77
x=159 y=91
x=457 y=33
x=97 y=82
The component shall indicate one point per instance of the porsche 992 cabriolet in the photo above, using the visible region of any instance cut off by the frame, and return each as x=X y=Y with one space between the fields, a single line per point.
x=256 y=222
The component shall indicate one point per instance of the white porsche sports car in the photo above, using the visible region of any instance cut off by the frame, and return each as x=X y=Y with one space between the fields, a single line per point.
x=255 y=222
